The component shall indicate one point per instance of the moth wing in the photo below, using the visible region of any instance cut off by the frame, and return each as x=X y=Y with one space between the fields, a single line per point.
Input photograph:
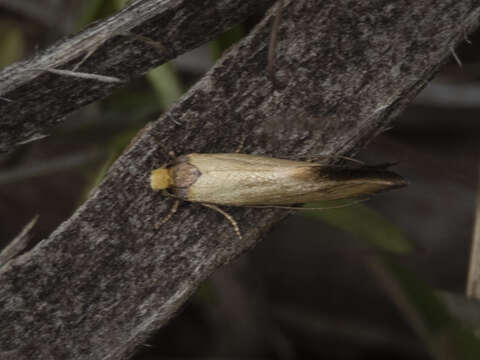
x=240 y=179
x=248 y=180
x=242 y=162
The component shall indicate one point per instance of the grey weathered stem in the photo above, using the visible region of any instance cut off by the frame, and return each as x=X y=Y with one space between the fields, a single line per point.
x=18 y=244
x=126 y=45
x=105 y=279
x=473 y=280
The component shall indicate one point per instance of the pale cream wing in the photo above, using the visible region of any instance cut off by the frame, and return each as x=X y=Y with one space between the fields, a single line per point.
x=241 y=162
x=247 y=180
x=238 y=179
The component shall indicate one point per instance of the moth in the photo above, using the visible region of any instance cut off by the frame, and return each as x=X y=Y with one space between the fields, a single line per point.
x=234 y=179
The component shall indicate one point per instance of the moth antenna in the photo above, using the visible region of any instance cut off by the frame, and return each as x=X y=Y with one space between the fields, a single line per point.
x=351 y=159
x=343 y=157
x=173 y=210
x=313 y=208
x=383 y=166
x=229 y=218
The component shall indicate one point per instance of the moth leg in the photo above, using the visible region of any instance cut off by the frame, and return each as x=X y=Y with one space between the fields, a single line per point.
x=228 y=217
x=173 y=210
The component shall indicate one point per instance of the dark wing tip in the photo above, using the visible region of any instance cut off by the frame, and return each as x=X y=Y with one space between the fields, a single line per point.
x=363 y=180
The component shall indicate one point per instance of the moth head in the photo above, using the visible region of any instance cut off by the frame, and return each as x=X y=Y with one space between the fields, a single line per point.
x=160 y=179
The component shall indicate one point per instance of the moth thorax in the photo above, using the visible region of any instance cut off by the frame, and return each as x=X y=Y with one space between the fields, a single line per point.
x=160 y=179
x=184 y=174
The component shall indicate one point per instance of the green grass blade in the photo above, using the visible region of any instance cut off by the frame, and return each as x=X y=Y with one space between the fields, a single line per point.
x=365 y=223
x=166 y=84
x=428 y=315
x=12 y=44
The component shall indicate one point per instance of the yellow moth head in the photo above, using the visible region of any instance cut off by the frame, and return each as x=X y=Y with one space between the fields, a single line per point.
x=160 y=179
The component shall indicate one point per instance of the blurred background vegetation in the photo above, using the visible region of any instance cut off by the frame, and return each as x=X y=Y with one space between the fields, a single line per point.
x=369 y=281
